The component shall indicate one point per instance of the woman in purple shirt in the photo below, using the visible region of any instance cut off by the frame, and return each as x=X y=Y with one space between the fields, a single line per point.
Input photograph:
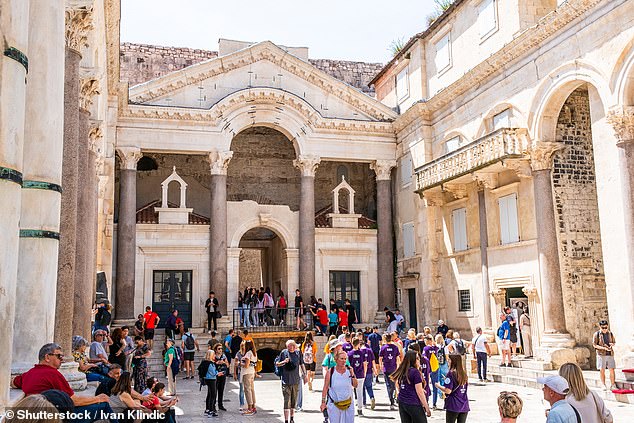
x=412 y=404
x=455 y=388
x=388 y=357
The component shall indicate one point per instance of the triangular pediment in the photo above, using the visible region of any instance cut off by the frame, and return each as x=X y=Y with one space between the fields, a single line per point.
x=264 y=65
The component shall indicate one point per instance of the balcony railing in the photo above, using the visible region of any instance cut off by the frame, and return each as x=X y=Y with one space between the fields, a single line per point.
x=271 y=319
x=502 y=144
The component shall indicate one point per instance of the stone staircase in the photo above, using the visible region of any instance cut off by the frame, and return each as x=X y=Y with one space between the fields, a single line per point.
x=525 y=372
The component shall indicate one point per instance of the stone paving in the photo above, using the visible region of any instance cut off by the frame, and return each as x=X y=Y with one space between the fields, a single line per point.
x=269 y=403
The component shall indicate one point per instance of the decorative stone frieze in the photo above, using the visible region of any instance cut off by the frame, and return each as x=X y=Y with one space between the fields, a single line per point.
x=383 y=169
x=307 y=164
x=88 y=90
x=78 y=23
x=622 y=120
x=543 y=154
x=486 y=180
x=457 y=190
x=129 y=157
x=219 y=162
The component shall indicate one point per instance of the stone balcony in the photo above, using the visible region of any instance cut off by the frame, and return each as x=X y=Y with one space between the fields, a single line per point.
x=503 y=144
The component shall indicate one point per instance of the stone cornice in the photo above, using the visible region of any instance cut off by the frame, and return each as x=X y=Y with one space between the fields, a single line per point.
x=262 y=51
x=622 y=120
x=78 y=23
x=219 y=162
x=383 y=169
x=129 y=157
x=307 y=164
x=543 y=153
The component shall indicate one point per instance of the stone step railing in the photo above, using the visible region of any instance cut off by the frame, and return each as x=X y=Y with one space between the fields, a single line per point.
x=502 y=144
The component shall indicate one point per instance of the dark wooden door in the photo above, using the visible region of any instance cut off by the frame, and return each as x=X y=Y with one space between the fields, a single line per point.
x=172 y=289
x=345 y=285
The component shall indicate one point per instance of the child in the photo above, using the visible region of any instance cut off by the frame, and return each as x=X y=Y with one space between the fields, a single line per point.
x=333 y=321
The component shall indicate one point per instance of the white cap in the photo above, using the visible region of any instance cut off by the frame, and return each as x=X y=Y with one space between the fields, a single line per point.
x=440 y=322
x=556 y=383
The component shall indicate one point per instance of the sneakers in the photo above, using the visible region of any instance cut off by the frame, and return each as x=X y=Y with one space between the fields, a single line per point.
x=372 y=403
x=359 y=412
x=212 y=414
x=249 y=412
x=392 y=407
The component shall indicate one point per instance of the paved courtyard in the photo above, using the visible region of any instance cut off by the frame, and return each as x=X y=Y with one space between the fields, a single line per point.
x=269 y=403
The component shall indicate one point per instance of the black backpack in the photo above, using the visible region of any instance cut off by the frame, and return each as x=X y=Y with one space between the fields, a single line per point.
x=460 y=348
x=189 y=342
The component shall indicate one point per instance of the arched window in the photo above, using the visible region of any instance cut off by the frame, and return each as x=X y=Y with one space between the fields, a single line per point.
x=146 y=164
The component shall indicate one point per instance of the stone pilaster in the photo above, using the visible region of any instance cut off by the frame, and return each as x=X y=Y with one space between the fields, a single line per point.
x=41 y=193
x=218 y=164
x=307 y=165
x=556 y=343
x=126 y=234
x=484 y=259
x=385 y=239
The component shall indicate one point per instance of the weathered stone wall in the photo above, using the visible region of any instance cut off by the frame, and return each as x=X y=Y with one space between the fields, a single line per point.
x=250 y=268
x=577 y=215
x=357 y=74
x=360 y=177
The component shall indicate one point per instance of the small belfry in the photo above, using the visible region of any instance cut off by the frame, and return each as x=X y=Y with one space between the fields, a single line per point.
x=174 y=215
x=343 y=220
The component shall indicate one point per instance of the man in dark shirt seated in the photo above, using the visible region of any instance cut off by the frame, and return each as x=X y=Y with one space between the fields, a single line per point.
x=114 y=374
x=45 y=375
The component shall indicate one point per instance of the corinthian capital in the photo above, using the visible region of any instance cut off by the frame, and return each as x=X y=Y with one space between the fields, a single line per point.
x=78 y=23
x=89 y=89
x=543 y=154
x=383 y=169
x=622 y=120
x=307 y=164
x=95 y=136
x=129 y=157
x=219 y=162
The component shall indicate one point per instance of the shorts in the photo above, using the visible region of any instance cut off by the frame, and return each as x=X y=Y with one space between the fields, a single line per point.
x=299 y=312
x=290 y=396
x=311 y=367
x=188 y=355
x=505 y=344
x=149 y=333
x=376 y=357
x=606 y=362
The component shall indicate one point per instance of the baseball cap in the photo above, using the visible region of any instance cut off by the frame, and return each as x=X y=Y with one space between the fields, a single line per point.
x=440 y=322
x=556 y=383
x=61 y=400
x=334 y=344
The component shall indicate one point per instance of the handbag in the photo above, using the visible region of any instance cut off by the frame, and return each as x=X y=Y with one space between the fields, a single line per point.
x=218 y=315
x=343 y=405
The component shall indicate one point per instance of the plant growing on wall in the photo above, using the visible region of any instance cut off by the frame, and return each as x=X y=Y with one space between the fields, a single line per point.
x=440 y=7
x=396 y=46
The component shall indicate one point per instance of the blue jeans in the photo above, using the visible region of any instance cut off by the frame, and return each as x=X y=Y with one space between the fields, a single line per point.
x=322 y=328
x=96 y=377
x=389 y=383
x=241 y=395
x=435 y=390
x=246 y=316
x=367 y=386
x=95 y=411
x=300 y=397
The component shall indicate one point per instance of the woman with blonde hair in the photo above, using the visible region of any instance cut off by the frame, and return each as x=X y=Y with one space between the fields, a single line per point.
x=510 y=406
x=589 y=405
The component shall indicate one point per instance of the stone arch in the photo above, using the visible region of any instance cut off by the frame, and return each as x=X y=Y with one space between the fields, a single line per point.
x=273 y=224
x=486 y=126
x=622 y=78
x=553 y=93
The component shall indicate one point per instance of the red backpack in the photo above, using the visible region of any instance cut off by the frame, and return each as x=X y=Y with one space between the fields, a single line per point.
x=282 y=302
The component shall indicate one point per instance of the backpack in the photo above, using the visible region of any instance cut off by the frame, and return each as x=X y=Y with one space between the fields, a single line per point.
x=460 y=348
x=278 y=369
x=268 y=301
x=433 y=363
x=189 y=342
x=308 y=354
x=501 y=332
x=440 y=355
x=176 y=361
x=260 y=306
x=282 y=302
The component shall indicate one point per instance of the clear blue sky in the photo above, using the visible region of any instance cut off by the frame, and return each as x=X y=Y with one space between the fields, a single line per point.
x=332 y=29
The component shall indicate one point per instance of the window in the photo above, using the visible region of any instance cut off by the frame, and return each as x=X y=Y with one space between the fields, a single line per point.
x=459 y=224
x=464 y=300
x=487 y=17
x=406 y=170
x=452 y=144
x=502 y=120
x=409 y=248
x=509 y=228
x=402 y=85
x=443 y=53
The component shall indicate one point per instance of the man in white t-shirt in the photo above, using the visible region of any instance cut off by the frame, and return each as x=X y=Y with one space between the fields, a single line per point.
x=482 y=352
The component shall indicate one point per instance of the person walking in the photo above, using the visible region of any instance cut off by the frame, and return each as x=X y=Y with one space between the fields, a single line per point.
x=368 y=357
x=139 y=364
x=588 y=403
x=299 y=311
x=337 y=395
x=211 y=307
x=410 y=387
x=290 y=362
x=603 y=342
x=510 y=406
x=455 y=387
x=309 y=355
x=430 y=350
x=190 y=346
x=555 y=391
x=525 y=333
x=281 y=305
x=443 y=358
x=208 y=373
x=375 y=345
x=388 y=357
x=357 y=359
x=248 y=363
x=504 y=336
x=352 y=314
x=237 y=373
x=482 y=352
x=222 y=365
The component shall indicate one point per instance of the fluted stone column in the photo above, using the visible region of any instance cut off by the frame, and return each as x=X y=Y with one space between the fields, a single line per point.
x=41 y=193
x=556 y=342
x=126 y=234
x=307 y=165
x=218 y=164
x=385 y=241
x=13 y=73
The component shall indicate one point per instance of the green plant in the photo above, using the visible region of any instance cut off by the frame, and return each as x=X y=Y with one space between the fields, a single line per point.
x=440 y=8
x=396 y=46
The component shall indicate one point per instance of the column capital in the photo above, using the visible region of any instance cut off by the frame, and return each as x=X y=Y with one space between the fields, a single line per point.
x=383 y=169
x=622 y=120
x=307 y=164
x=88 y=90
x=219 y=162
x=543 y=153
x=129 y=157
x=78 y=23
x=531 y=292
x=499 y=295
x=485 y=180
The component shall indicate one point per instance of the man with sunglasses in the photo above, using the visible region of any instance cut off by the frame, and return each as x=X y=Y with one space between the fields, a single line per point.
x=45 y=375
x=603 y=342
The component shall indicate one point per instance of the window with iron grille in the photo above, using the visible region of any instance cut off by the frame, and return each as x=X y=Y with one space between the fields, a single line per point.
x=464 y=300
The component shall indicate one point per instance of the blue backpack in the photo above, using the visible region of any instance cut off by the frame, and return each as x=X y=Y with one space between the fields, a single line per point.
x=278 y=369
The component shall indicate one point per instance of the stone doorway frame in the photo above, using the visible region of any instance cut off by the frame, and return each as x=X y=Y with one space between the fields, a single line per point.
x=534 y=304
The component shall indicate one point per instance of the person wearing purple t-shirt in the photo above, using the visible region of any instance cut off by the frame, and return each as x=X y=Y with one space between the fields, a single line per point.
x=412 y=404
x=369 y=374
x=455 y=388
x=429 y=350
x=359 y=366
x=347 y=345
x=388 y=357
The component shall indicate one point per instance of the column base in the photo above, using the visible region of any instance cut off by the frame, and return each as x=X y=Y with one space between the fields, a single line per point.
x=557 y=349
x=117 y=323
x=76 y=379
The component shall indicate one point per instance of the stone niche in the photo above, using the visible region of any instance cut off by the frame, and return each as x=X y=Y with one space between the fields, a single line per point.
x=174 y=215
x=343 y=220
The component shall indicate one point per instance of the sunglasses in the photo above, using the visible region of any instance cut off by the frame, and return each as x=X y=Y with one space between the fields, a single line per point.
x=59 y=356
x=508 y=393
x=604 y=327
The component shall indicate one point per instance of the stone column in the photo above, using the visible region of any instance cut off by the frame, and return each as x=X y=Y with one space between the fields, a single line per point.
x=484 y=258
x=219 y=162
x=307 y=165
x=41 y=193
x=126 y=234
x=385 y=240
x=14 y=27
x=556 y=342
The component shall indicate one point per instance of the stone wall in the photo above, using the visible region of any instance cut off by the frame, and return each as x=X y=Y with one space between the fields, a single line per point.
x=357 y=74
x=360 y=177
x=577 y=215
x=250 y=268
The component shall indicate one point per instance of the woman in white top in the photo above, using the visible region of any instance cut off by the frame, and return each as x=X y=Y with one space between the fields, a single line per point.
x=338 y=395
x=589 y=405
x=248 y=362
